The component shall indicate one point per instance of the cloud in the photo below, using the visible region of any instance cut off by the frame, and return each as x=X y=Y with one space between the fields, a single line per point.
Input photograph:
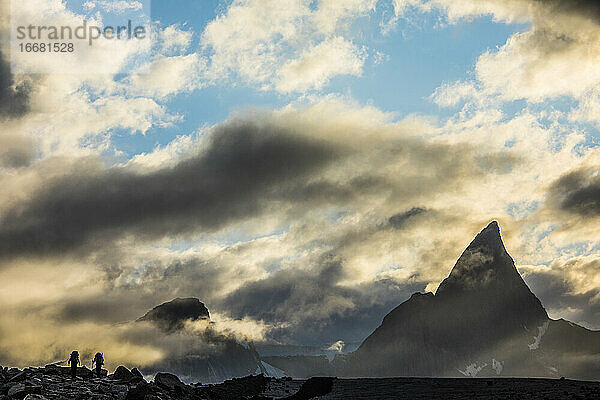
x=282 y=164
x=239 y=168
x=399 y=220
x=14 y=97
x=311 y=306
x=316 y=66
x=560 y=43
x=120 y=6
x=174 y=39
x=561 y=40
x=15 y=151
x=568 y=288
x=577 y=192
x=449 y=95
x=85 y=109
x=301 y=48
x=169 y=75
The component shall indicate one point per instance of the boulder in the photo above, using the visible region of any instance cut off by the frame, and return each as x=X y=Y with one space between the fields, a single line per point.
x=84 y=372
x=136 y=372
x=19 y=391
x=35 y=397
x=53 y=369
x=169 y=381
x=122 y=374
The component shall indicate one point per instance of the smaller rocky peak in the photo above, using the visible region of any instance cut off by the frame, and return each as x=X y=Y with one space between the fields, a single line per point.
x=171 y=316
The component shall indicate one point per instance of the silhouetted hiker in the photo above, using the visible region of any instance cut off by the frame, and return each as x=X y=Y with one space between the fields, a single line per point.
x=74 y=361
x=99 y=361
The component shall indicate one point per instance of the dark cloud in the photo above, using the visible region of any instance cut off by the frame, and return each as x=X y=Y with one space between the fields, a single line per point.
x=15 y=151
x=14 y=99
x=399 y=220
x=246 y=168
x=586 y=8
x=577 y=192
x=311 y=306
x=562 y=298
x=243 y=166
x=150 y=284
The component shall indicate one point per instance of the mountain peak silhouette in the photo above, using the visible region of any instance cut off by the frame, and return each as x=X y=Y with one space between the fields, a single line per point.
x=171 y=316
x=485 y=265
x=482 y=309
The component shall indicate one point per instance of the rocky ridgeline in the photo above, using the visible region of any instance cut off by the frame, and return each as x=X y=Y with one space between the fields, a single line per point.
x=55 y=382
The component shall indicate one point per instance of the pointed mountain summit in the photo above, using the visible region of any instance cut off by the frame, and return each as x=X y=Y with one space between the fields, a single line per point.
x=485 y=260
x=486 y=286
x=482 y=320
x=485 y=263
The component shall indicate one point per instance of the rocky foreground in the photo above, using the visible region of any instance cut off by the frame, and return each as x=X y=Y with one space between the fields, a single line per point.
x=54 y=382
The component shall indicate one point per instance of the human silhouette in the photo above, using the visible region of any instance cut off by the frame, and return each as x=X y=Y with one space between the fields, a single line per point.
x=74 y=362
x=99 y=361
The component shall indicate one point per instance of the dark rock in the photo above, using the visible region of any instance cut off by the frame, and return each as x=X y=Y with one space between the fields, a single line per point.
x=317 y=386
x=21 y=376
x=169 y=381
x=84 y=372
x=122 y=374
x=136 y=373
x=35 y=397
x=171 y=316
x=53 y=369
x=19 y=391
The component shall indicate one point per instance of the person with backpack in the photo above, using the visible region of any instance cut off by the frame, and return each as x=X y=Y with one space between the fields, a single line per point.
x=99 y=361
x=74 y=362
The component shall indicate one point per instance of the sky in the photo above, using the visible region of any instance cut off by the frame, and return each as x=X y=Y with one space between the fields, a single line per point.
x=300 y=166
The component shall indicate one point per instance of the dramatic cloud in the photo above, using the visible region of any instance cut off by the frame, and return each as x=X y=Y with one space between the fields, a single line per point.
x=16 y=150
x=577 y=192
x=14 y=97
x=569 y=289
x=312 y=306
x=229 y=180
x=288 y=163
